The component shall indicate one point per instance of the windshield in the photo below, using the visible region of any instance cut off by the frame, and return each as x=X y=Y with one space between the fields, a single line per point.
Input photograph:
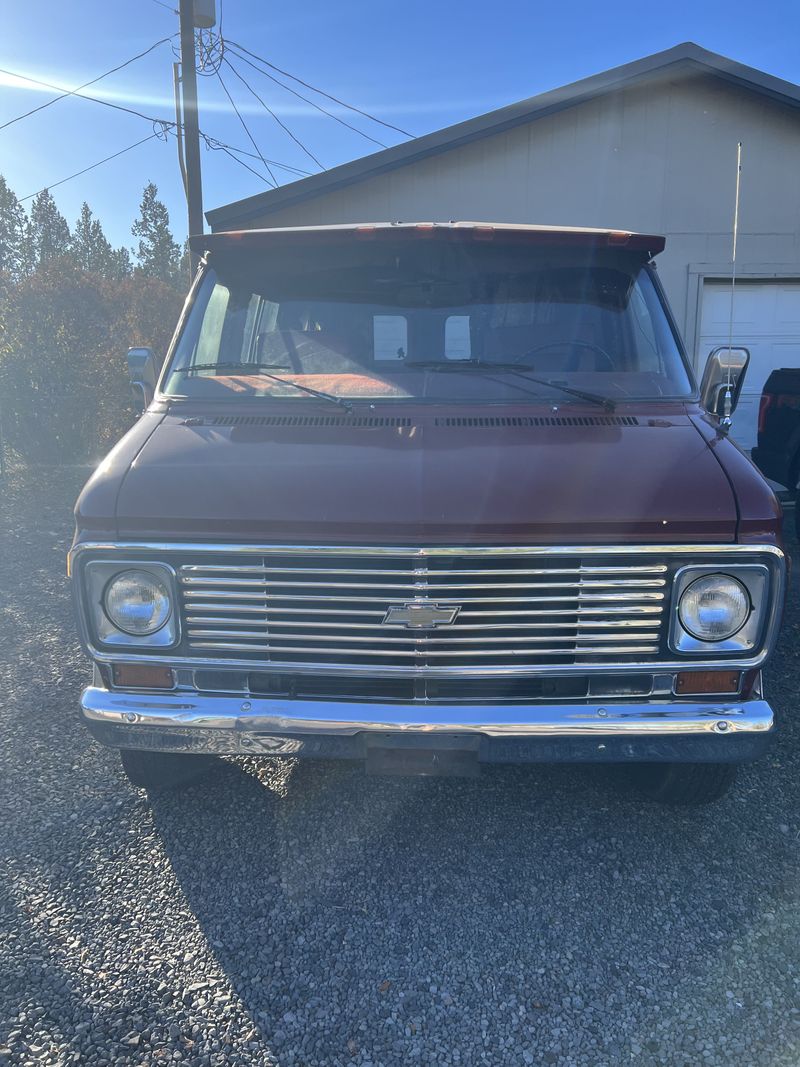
x=375 y=321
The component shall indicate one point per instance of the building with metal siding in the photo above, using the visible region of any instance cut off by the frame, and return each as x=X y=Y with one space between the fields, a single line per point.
x=648 y=146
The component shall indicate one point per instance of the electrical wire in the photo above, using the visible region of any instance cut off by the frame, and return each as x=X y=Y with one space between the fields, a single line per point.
x=92 y=99
x=321 y=92
x=313 y=103
x=161 y=135
x=74 y=92
x=268 y=109
x=242 y=163
x=214 y=143
x=165 y=125
x=246 y=130
x=169 y=7
x=210 y=48
x=92 y=166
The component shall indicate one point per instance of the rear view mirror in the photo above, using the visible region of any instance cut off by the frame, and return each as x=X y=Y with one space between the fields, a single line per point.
x=723 y=365
x=142 y=373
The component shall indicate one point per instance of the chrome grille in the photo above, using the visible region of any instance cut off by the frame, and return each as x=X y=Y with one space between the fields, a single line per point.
x=515 y=610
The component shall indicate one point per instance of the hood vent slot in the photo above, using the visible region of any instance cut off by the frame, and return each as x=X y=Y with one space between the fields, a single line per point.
x=370 y=422
x=365 y=422
x=492 y=421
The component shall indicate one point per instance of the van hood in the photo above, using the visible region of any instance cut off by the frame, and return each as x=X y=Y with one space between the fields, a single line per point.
x=458 y=478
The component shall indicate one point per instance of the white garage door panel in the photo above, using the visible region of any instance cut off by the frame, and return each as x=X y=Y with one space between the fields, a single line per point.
x=787 y=312
x=766 y=319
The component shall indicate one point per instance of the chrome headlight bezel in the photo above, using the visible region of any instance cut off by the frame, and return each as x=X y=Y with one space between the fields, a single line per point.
x=98 y=576
x=755 y=580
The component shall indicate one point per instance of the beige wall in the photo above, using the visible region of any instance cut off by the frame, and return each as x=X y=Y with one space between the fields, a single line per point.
x=659 y=158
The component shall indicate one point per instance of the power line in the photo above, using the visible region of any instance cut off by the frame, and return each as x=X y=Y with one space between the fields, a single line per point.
x=214 y=143
x=313 y=103
x=92 y=166
x=241 y=162
x=73 y=92
x=268 y=109
x=246 y=130
x=169 y=7
x=92 y=99
x=314 y=89
x=165 y=125
x=211 y=142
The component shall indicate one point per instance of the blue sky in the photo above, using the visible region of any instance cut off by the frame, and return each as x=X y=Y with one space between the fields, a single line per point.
x=419 y=64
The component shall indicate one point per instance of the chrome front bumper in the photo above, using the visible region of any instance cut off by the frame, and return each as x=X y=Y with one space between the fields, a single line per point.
x=226 y=724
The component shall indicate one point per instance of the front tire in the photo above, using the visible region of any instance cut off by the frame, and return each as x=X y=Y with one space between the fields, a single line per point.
x=158 y=772
x=685 y=783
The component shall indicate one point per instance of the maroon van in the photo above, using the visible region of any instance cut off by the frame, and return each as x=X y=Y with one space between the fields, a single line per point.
x=430 y=495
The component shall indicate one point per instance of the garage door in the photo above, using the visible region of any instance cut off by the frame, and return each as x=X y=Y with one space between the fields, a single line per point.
x=766 y=319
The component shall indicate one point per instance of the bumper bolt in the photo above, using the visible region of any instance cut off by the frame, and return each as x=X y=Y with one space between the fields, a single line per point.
x=722 y=726
x=130 y=716
x=246 y=706
x=602 y=713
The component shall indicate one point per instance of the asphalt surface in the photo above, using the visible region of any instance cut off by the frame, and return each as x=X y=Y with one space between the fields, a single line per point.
x=304 y=914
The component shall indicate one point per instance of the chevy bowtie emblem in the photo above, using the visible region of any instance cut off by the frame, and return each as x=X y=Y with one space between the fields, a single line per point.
x=421 y=615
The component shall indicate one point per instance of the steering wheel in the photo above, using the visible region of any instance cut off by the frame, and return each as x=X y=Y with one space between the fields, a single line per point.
x=572 y=362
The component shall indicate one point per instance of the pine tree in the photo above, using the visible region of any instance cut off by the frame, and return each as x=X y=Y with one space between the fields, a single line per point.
x=49 y=232
x=158 y=254
x=90 y=247
x=186 y=263
x=121 y=265
x=13 y=234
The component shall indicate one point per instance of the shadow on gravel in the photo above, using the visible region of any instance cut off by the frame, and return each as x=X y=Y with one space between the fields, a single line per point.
x=389 y=917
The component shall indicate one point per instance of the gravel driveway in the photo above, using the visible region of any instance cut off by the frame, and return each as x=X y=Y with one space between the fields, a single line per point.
x=306 y=914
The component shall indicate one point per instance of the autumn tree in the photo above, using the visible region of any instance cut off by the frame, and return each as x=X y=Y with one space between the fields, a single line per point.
x=69 y=308
x=63 y=379
x=158 y=254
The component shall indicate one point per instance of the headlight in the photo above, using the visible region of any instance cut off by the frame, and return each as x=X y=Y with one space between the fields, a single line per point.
x=137 y=602
x=714 y=607
x=130 y=604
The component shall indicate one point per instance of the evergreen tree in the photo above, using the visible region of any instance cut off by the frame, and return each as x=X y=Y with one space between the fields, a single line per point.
x=90 y=247
x=186 y=263
x=49 y=232
x=158 y=254
x=14 y=259
x=121 y=265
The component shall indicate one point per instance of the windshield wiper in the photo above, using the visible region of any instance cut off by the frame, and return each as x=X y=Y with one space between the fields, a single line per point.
x=260 y=369
x=512 y=368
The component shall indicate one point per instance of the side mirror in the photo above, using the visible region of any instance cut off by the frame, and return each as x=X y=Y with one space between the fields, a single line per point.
x=142 y=373
x=723 y=365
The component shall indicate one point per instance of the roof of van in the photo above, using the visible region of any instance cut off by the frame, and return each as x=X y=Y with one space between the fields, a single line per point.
x=651 y=244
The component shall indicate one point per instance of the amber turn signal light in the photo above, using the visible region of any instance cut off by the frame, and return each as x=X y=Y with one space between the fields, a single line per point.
x=142 y=676
x=707 y=682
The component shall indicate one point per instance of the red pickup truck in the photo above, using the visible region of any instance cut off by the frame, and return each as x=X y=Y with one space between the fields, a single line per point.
x=430 y=495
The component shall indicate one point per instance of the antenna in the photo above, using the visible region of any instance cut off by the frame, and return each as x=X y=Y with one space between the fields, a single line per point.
x=728 y=397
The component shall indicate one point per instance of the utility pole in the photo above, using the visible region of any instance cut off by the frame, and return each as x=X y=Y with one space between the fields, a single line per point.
x=191 y=128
